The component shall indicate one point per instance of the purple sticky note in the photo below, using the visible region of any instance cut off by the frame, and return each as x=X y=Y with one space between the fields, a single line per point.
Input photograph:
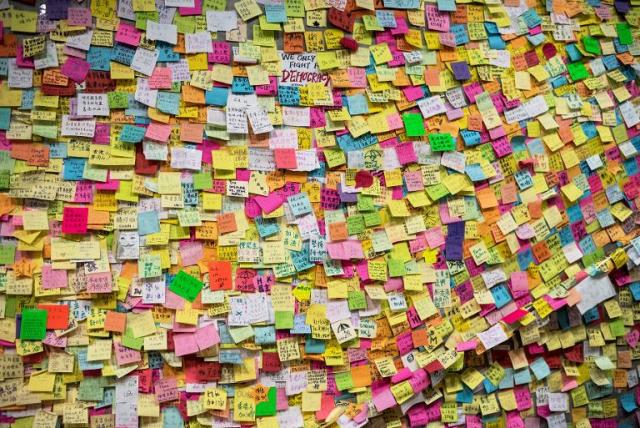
x=57 y=9
x=461 y=70
x=455 y=237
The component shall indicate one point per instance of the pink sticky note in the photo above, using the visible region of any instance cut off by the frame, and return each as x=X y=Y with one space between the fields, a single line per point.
x=185 y=344
x=383 y=399
x=466 y=346
x=126 y=355
x=76 y=69
x=158 y=132
x=53 y=278
x=207 y=336
x=515 y=316
x=270 y=203
x=161 y=78
x=99 y=282
x=79 y=16
x=74 y=220
x=128 y=34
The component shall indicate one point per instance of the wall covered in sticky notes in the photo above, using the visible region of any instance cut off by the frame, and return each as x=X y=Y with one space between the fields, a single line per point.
x=319 y=213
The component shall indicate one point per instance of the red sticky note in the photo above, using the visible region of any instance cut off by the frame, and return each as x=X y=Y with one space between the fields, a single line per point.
x=57 y=316
x=285 y=158
x=220 y=275
x=74 y=220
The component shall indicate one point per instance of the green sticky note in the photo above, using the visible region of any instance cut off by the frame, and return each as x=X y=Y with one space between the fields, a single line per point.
x=90 y=389
x=118 y=99
x=33 y=325
x=624 y=33
x=437 y=191
x=268 y=407
x=130 y=341
x=202 y=180
x=23 y=422
x=577 y=71
x=591 y=45
x=617 y=327
x=442 y=142
x=186 y=286
x=356 y=300
x=365 y=203
x=7 y=254
x=413 y=123
x=355 y=224
x=344 y=381
x=396 y=268
x=142 y=17
x=372 y=219
x=284 y=320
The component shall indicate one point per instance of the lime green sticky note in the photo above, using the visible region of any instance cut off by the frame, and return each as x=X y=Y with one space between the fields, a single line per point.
x=356 y=300
x=591 y=45
x=413 y=124
x=202 y=180
x=396 y=268
x=130 y=341
x=284 y=320
x=365 y=203
x=372 y=219
x=577 y=71
x=33 y=325
x=268 y=407
x=118 y=99
x=344 y=381
x=624 y=33
x=7 y=254
x=355 y=224
x=442 y=142
x=617 y=327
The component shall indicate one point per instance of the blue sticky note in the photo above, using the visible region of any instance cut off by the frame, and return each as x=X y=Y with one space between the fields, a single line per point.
x=73 y=168
x=4 y=67
x=122 y=54
x=275 y=12
x=166 y=52
x=289 y=95
x=132 y=134
x=507 y=380
x=26 y=103
x=168 y=102
x=5 y=118
x=148 y=223
x=99 y=58
x=265 y=335
x=301 y=327
x=522 y=376
x=501 y=295
x=540 y=368
x=241 y=85
x=357 y=104
x=299 y=204
x=267 y=226
x=171 y=417
x=216 y=96
x=314 y=346
x=386 y=18
x=58 y=150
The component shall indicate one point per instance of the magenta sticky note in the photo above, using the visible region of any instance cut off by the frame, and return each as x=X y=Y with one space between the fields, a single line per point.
x=74 y=220
x=76 y=69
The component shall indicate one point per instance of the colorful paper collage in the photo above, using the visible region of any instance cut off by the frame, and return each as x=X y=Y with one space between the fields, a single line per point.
x=319 y=213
